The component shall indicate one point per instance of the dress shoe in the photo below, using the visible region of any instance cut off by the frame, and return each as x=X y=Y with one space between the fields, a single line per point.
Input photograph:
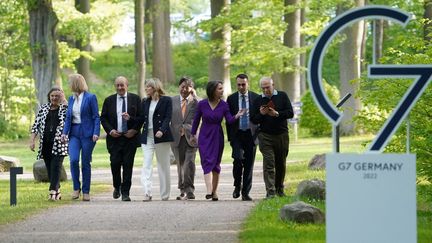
x=126 y=198
x=86 y=197
x=270 y=195
x=147 y=198
x=280 y=192
x=208 y=196
x=190 y=195
x=76 y=194
x=214 y=197
x=246 y=198
x=116 y=193
x=181 y=197
x=236 y=192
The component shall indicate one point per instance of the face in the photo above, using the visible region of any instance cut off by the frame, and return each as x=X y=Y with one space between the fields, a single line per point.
x=242 y=85
x=267 y=88
x=55 y=97
x=149 y=90
x=219 y=91
x=121 y=86
x=184 y=90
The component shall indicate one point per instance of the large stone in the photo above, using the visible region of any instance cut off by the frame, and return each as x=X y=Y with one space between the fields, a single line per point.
x=317 y=162
x=301 y=212
x=6 y=162
x=313 y=189
x=40 y=172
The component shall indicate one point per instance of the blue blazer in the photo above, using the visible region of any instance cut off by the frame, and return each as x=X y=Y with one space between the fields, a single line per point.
x=90 y=121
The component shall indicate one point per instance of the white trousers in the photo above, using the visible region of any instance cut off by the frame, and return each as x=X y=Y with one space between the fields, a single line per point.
x=163 y=165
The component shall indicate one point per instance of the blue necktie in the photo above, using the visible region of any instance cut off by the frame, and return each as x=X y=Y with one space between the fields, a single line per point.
x=124 y=122
x=244 y=119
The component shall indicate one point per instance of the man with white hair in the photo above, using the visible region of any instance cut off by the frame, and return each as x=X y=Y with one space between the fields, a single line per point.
x=271 y=111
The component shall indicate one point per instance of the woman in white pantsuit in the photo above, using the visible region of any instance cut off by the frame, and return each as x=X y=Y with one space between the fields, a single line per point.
x=155 y=137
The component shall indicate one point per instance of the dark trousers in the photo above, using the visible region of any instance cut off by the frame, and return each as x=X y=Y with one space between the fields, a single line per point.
x=53 y=164
x=274 y=149
x=122 y=154
x=185 y=165
x=244 y=150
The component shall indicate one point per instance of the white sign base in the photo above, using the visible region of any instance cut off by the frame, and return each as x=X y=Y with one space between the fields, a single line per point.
x=371 y=198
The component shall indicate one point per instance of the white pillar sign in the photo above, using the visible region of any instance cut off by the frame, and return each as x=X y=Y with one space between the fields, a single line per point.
x=371 y=198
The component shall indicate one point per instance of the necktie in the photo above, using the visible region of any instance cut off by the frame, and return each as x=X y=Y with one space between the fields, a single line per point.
x=124 y=122
x=183 y=108
x=244 y=119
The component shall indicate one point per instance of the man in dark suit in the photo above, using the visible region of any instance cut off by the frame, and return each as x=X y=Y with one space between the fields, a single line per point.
x=241 y=135
x=184 y=106
x=122 y=136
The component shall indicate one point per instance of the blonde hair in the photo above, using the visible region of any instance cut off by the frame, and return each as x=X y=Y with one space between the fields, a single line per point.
x=77 y=83
x=156 y=84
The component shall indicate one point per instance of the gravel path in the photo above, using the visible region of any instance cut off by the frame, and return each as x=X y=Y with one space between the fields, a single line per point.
x=104 y=219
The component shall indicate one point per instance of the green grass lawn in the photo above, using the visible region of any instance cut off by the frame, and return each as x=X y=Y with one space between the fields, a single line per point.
x=301 y=150
x=264 y=225
x=32 y=197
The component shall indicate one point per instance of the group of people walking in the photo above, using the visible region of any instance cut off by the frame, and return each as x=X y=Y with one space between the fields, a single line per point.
x=183 y=124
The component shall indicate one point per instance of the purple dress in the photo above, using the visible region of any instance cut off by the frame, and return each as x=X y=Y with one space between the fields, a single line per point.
x=211 y=138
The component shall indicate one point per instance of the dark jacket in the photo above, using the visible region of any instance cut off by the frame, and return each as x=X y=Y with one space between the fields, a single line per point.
x=161 y=119
x=234 y=108
x=109 y=116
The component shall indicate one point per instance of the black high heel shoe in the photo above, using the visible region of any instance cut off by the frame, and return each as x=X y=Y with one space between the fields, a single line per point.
x=214 y=197
x=209 y=196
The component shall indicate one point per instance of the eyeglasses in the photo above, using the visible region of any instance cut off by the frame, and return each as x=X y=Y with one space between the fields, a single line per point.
x=241 y=85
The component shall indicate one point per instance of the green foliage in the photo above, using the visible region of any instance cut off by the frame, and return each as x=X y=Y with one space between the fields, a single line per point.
x=312 y=118
x=380 y=97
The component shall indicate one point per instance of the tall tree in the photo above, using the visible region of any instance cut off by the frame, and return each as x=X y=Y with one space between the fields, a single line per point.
x=349 y=59
x=43 y=45
x=303 y=64
x=219 y=63
x=83 y=63
x=162 y=54
x=427 y=29
x=378 y=26
x=140 y=46
x=290 y=81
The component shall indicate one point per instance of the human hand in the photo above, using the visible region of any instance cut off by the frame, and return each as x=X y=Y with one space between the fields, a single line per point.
x=64 y=138
x=125 y=116
x=240 y=113
x=193 y=139
x=264 y=110
x=159 y=134
x=114 y=133
x=192 y=92
x=272 y=112
x=32 y=145
x=130 y=133
x=95 y=138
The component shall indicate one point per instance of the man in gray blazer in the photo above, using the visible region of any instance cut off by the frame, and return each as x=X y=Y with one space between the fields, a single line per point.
x=184 y=106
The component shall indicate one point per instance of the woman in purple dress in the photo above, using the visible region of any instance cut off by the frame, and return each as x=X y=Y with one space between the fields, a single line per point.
x=211 y=138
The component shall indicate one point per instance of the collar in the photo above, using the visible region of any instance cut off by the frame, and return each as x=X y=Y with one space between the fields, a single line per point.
x=80 y=96
x=245 y=94
x=274 y=93
x=118 y=96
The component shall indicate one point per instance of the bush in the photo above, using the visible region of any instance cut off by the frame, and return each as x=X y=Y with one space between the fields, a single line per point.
x=312 y=118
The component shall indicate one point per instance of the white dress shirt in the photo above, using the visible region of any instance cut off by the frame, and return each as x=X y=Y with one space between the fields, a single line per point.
x=119 y=111
x=76 y=109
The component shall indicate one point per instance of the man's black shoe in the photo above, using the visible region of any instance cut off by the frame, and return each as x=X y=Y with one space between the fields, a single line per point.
x=190 y=195
x=280 y=192
x=181 y=197
x=236 y=192
x=116 y=193
x=125 y=198
x=246 y=198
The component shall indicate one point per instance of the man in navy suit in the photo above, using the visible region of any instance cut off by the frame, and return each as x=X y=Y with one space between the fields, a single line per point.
x=122 y=136
x=241 y=135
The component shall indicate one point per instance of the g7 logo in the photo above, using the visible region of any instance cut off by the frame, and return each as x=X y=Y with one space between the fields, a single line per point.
x=423 y=73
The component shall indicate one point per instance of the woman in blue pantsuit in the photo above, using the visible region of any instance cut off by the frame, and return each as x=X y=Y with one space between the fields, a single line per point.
x=82 y=129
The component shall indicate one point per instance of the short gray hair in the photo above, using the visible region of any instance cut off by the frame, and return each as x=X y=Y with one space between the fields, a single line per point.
x=265 y=79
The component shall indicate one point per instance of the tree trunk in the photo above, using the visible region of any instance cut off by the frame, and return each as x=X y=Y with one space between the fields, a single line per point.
x=162 y=56
x=379 y=38
x=303 y=79
x=349 y=59
x=83 y=64
x=428 y=25
x=290 y=82
x=219 y=61
x=140 y=46
x=43 y=46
